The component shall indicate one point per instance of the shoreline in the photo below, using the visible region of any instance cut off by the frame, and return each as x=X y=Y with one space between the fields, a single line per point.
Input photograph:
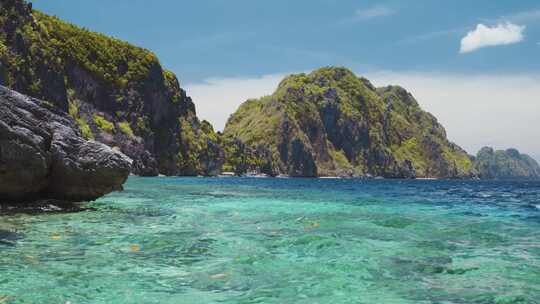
x=334 y=177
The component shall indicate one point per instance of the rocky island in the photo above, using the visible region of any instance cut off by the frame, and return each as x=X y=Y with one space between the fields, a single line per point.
x=505 y=164
x=333 y=123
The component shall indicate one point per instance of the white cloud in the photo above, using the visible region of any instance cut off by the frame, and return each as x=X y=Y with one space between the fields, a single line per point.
x=484 y=36
x=217 y=98
x=477 y=110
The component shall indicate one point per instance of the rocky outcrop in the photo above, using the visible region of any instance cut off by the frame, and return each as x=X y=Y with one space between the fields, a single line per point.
x=240 y=158
x=333 y=123
x=505 y=164
x=118 y=94
x=42 y=155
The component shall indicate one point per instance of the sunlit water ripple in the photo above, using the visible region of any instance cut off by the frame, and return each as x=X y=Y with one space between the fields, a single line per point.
x=234 y=240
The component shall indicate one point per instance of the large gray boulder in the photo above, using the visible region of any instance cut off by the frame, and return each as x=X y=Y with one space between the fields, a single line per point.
x=42 y=155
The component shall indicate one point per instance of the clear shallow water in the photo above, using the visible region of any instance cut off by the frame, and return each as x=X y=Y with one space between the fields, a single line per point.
x=231 y=240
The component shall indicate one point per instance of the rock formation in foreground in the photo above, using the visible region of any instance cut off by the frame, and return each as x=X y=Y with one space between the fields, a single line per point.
x=118 y=94
x=506 y=164
x=42 y=155
x=332 y=123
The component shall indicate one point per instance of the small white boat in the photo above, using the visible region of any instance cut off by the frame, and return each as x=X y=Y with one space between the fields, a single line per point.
x=227 y=174
x=256 y=175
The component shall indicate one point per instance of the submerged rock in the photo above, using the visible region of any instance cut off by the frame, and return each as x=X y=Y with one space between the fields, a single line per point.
x=8 y=238
x=42 y=155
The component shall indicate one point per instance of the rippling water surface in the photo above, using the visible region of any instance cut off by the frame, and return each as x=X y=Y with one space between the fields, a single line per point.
x=233 y=240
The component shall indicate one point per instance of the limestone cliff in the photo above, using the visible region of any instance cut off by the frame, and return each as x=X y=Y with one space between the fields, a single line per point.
x=331 y=122
x=118 y=93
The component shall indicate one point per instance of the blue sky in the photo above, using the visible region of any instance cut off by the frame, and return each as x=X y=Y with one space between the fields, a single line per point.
x=199 y=39
x=225 y=51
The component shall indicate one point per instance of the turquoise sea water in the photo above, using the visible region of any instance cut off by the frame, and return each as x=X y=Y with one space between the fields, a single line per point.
x=234 y=240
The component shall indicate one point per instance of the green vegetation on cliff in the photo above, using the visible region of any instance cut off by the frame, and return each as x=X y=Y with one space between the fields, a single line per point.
x=331 y=122
x=200 y=151
x=112 y=60
x=47 y=40
x=241 y=158
x=118 y=93
x=506 y=164
x=103 y=124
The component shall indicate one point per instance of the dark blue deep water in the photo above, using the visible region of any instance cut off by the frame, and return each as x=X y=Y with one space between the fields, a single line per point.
x=239 y=240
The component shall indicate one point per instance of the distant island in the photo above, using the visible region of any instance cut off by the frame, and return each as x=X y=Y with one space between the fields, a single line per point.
x=505 y=164
x=326 y=123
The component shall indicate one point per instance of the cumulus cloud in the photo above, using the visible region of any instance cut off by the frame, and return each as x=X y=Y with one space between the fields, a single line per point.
x=484 y=36
x=477 y=110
